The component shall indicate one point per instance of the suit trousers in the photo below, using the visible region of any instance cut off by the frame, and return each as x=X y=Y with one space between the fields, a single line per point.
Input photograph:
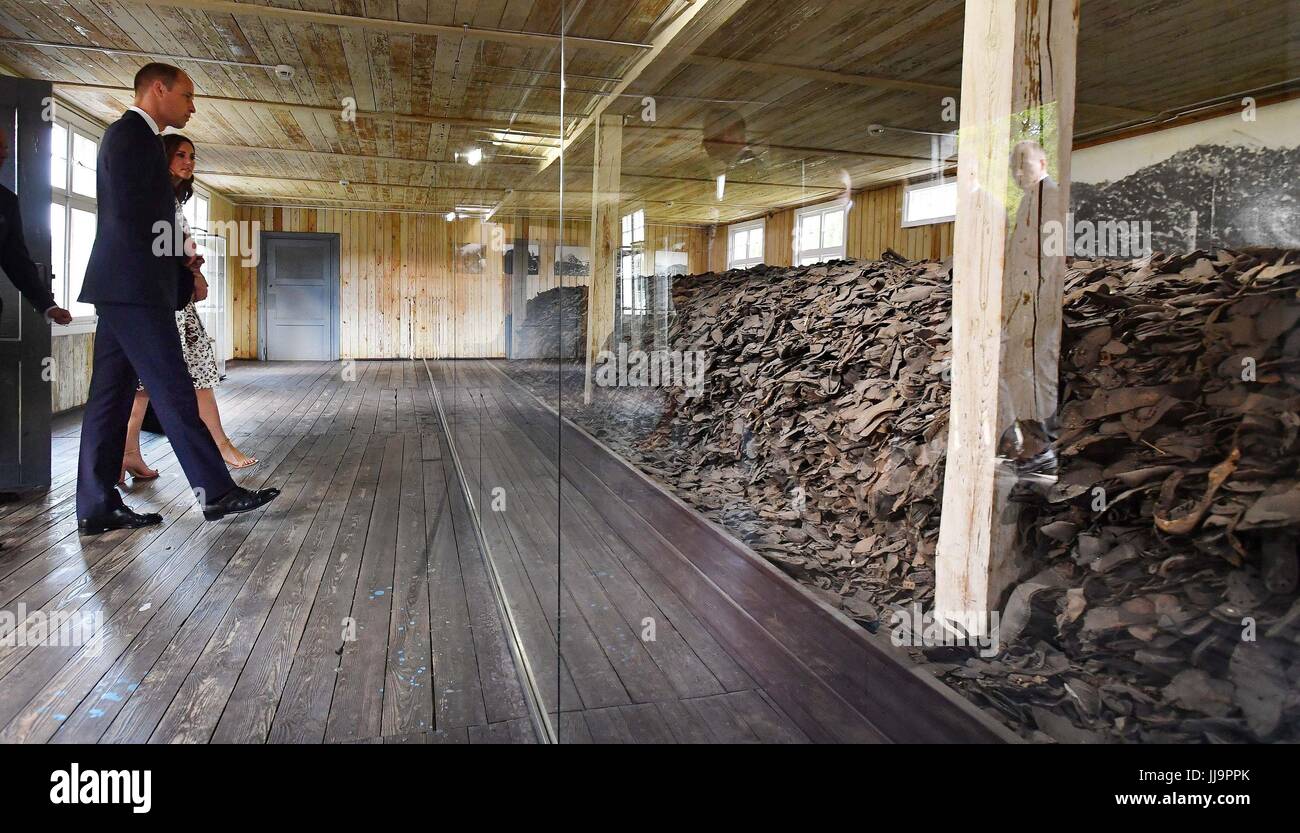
x=140 y=343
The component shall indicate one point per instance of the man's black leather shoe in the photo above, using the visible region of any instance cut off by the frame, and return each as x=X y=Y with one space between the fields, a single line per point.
x=121 y=518
x=238 y=500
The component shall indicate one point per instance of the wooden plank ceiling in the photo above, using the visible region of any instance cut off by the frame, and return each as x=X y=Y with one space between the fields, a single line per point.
x=777 y=94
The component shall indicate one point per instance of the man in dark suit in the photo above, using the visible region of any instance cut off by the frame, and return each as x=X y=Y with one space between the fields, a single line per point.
x=137 y=277
x=14 y=259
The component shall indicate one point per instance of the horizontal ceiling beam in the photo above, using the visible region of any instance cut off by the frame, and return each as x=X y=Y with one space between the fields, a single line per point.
x=488 y=164
x=859 y=80
x=676 y=40
x=401 y=27
x=629 y=197
x=331 y=204
x=519 y=128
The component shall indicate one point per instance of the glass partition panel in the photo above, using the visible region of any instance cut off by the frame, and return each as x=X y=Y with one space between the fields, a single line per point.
x=736 y=383
x=760 y=275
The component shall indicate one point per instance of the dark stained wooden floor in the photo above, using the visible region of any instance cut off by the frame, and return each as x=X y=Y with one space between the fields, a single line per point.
x=234 y=631
x=614 y=684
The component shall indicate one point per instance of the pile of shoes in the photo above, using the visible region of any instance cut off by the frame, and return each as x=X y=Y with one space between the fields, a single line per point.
x=555 y=324
x=1162 y=603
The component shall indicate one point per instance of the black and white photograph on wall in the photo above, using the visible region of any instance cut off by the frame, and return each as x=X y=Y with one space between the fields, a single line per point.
x=670 y=264
x=534 y=259
x=471 y=258
x=1229 y=181
x=572 y=261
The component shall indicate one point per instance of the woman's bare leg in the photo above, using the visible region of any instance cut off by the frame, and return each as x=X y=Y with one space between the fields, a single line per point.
x=211 y=417
x=132 y=461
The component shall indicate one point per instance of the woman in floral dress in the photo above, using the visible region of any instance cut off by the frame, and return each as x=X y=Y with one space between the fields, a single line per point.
x=196 y=345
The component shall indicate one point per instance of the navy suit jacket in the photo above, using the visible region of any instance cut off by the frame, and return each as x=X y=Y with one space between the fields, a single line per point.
x=15 y=260
x=130 y=262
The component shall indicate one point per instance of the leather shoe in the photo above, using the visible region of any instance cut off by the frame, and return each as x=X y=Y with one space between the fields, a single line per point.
x=238 y=500
x=120 y=518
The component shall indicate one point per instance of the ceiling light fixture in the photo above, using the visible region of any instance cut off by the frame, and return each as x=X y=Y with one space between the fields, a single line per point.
x=474 y=156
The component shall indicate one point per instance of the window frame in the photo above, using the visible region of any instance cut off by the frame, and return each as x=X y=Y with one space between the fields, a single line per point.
x=65 y=197
x=912 y=187
x=821 y=253
x=631 y=263
x=735 y=230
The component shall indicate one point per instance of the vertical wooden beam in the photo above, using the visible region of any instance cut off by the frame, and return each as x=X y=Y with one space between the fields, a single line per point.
x=1018 y=73
x=518 y=300
x=604 y=239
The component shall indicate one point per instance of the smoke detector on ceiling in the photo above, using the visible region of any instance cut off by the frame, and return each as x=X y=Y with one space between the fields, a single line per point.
x=284 y=72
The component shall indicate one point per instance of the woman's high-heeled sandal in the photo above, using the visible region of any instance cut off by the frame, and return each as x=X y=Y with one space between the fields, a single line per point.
x=136 y=467
x=248 y=461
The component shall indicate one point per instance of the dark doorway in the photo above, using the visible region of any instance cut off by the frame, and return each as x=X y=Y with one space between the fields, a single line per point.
x=26 y=367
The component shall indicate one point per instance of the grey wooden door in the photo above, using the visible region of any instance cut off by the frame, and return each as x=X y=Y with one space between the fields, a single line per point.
x=25 y=363
x=299 y=288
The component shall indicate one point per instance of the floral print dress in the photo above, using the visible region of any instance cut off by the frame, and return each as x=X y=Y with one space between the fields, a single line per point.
x=196 y=344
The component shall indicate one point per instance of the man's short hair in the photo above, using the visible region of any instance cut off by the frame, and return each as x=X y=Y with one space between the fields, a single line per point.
x=150 y=73
x=1028 y=148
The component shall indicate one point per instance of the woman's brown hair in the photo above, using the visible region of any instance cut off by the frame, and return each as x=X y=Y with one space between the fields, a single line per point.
x=171 y=141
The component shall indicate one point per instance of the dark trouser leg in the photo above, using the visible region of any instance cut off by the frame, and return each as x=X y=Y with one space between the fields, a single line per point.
x=149 y=338
x=103 y=425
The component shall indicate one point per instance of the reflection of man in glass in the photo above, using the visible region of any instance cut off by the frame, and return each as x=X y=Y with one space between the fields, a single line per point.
x=1029 y=411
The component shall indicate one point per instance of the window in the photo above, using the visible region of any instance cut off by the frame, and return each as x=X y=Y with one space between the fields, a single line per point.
x=59 y=152
x=84 y=150
x=633 y=228
x=74 y=145
x=212 y=310
x=632 y=283
x=819 y=233
x=929 y=202
x=745 y=245
x=196 y=213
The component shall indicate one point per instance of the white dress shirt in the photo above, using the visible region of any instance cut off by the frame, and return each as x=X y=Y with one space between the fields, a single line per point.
x=148 y=119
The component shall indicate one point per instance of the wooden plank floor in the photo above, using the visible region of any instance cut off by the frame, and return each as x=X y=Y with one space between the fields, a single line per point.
x=619 y=652
x=354 y=608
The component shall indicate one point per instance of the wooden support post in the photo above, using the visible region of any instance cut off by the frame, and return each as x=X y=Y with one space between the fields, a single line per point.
x=1013 y=175
x=604 y=240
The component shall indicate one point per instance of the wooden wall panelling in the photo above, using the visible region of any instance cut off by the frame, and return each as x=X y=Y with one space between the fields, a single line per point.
x=778 y=239
x=72 y=356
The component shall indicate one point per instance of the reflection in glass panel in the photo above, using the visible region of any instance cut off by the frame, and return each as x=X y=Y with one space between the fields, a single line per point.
x=745 y=312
